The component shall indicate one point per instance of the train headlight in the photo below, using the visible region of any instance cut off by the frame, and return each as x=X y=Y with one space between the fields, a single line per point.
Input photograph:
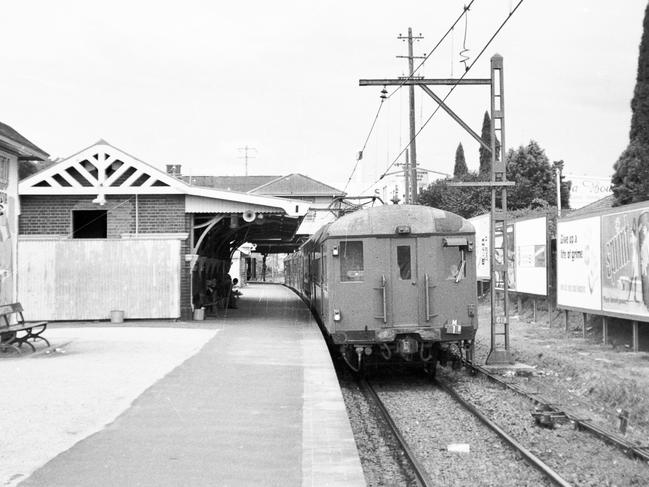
x=386 y=334
x=337 y=315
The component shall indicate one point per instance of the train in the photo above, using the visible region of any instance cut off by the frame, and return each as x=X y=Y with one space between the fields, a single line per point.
x=392 y=283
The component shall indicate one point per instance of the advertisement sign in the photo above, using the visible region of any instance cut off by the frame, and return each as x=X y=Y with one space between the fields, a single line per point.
x=578 y=264
x=587 y=189
x=511 y=256
x=482 y=224
x=530 y=256
x=625 y=266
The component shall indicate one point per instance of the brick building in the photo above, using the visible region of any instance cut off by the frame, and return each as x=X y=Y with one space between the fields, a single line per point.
x=102 y=231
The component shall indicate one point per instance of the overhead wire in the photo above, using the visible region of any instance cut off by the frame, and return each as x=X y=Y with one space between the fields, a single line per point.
x=360 y=153
x=409 y=77
x=447 y=94
x=383 y=97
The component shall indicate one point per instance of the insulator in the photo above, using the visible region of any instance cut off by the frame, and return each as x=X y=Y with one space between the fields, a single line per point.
x=384 y=93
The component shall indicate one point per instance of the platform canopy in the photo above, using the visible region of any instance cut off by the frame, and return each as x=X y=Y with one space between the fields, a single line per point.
x=103 y=170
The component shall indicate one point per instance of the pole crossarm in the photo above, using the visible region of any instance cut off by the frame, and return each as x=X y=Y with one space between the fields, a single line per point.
x=455 y=117
x=424 y=81
x=483 y=183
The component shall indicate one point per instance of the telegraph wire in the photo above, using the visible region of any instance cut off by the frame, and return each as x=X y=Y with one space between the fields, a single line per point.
x=464 y=11
x=447 y=94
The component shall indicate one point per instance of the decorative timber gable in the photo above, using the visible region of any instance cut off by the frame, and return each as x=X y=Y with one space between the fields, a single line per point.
x=101 y=169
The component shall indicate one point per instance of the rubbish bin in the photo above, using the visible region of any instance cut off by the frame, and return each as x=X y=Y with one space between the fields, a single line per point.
x=117 y=316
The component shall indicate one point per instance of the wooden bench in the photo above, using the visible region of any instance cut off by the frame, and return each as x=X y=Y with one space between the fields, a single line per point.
x=14 y=335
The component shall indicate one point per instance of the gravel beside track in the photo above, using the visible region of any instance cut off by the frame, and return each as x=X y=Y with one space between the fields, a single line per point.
x=433 y=422
x=577 y=456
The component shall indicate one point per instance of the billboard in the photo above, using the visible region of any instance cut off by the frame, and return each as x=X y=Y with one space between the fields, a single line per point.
x=625 y=266
x=578 y=264
x=482 y=224
x=530 y=261
x=587 y=189
x=527 y=258
x=511 y=257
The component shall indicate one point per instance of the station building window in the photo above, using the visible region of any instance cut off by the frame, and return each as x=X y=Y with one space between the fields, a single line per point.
x=89 y=224
x=351 y=261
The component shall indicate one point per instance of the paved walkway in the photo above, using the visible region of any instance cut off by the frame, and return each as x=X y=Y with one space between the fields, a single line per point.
x=258 y=405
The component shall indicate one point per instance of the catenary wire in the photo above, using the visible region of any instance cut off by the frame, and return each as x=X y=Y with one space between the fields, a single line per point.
x=360 y=154
x=447 y=95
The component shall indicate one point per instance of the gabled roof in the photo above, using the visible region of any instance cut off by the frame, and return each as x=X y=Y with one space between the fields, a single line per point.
x=602 y=204
x=297 y=185
x=242 y=184
x=16 y=143
x=103 y=169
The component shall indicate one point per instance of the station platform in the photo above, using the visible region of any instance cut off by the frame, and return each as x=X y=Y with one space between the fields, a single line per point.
x=258 y=405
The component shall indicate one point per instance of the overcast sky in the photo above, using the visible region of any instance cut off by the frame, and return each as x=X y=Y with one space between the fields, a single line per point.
x=191 y=82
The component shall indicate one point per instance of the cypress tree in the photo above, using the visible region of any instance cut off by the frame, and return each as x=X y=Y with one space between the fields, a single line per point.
x=460 y=170
x=640 y=102
x=629 y=180
x=485 y=155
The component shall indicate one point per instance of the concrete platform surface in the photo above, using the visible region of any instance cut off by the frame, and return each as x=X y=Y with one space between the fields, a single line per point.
x=258 y=405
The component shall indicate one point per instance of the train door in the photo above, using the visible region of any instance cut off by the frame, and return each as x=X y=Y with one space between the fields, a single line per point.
x=402 y=285
x=448 y=273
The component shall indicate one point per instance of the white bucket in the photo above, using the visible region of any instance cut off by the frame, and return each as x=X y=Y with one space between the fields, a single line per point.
x=117 y=316
x=199 y=314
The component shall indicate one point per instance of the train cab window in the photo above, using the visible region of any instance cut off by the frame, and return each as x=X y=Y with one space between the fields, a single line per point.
x=351 y=261
x=403 y=261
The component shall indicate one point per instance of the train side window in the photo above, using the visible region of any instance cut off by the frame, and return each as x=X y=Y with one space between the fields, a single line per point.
x=351 y=261
x=403 y=261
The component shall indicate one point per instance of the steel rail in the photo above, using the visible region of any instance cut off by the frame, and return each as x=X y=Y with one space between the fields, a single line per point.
x=641 y=453
x=420 y=473
x=529 y=456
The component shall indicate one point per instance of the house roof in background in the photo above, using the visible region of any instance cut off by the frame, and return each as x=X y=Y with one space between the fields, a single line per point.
x=599 y=205
x=297 y=185
x=19 y=144
x=241 y=184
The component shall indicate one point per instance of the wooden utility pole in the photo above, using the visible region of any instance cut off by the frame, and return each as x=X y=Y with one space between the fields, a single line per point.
x=406 y=178
x=411 y=196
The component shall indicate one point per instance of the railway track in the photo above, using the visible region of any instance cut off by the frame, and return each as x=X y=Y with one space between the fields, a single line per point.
x=528 y=455
x=422 y=477
x=420 y=473
x=631 y=450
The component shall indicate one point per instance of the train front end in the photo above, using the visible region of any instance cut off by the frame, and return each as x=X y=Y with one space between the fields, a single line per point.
x=401 y=286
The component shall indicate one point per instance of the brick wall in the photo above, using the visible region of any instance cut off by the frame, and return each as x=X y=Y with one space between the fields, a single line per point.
x=52 y=215
x=185 y=274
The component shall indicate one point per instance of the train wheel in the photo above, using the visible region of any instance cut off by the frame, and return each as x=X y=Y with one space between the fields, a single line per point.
x=469 y=351
x=430 y=366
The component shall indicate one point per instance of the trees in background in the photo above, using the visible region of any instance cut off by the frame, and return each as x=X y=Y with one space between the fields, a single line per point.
x=630 y=180
x=535 y=179
x=528 y=166
x=485 y=156
x=460 y=170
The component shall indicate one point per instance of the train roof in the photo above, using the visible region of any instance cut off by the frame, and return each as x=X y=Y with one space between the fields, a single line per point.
x=384 y=220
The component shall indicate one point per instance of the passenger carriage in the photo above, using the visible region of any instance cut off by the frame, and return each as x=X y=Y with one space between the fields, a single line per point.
x=392 y=283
